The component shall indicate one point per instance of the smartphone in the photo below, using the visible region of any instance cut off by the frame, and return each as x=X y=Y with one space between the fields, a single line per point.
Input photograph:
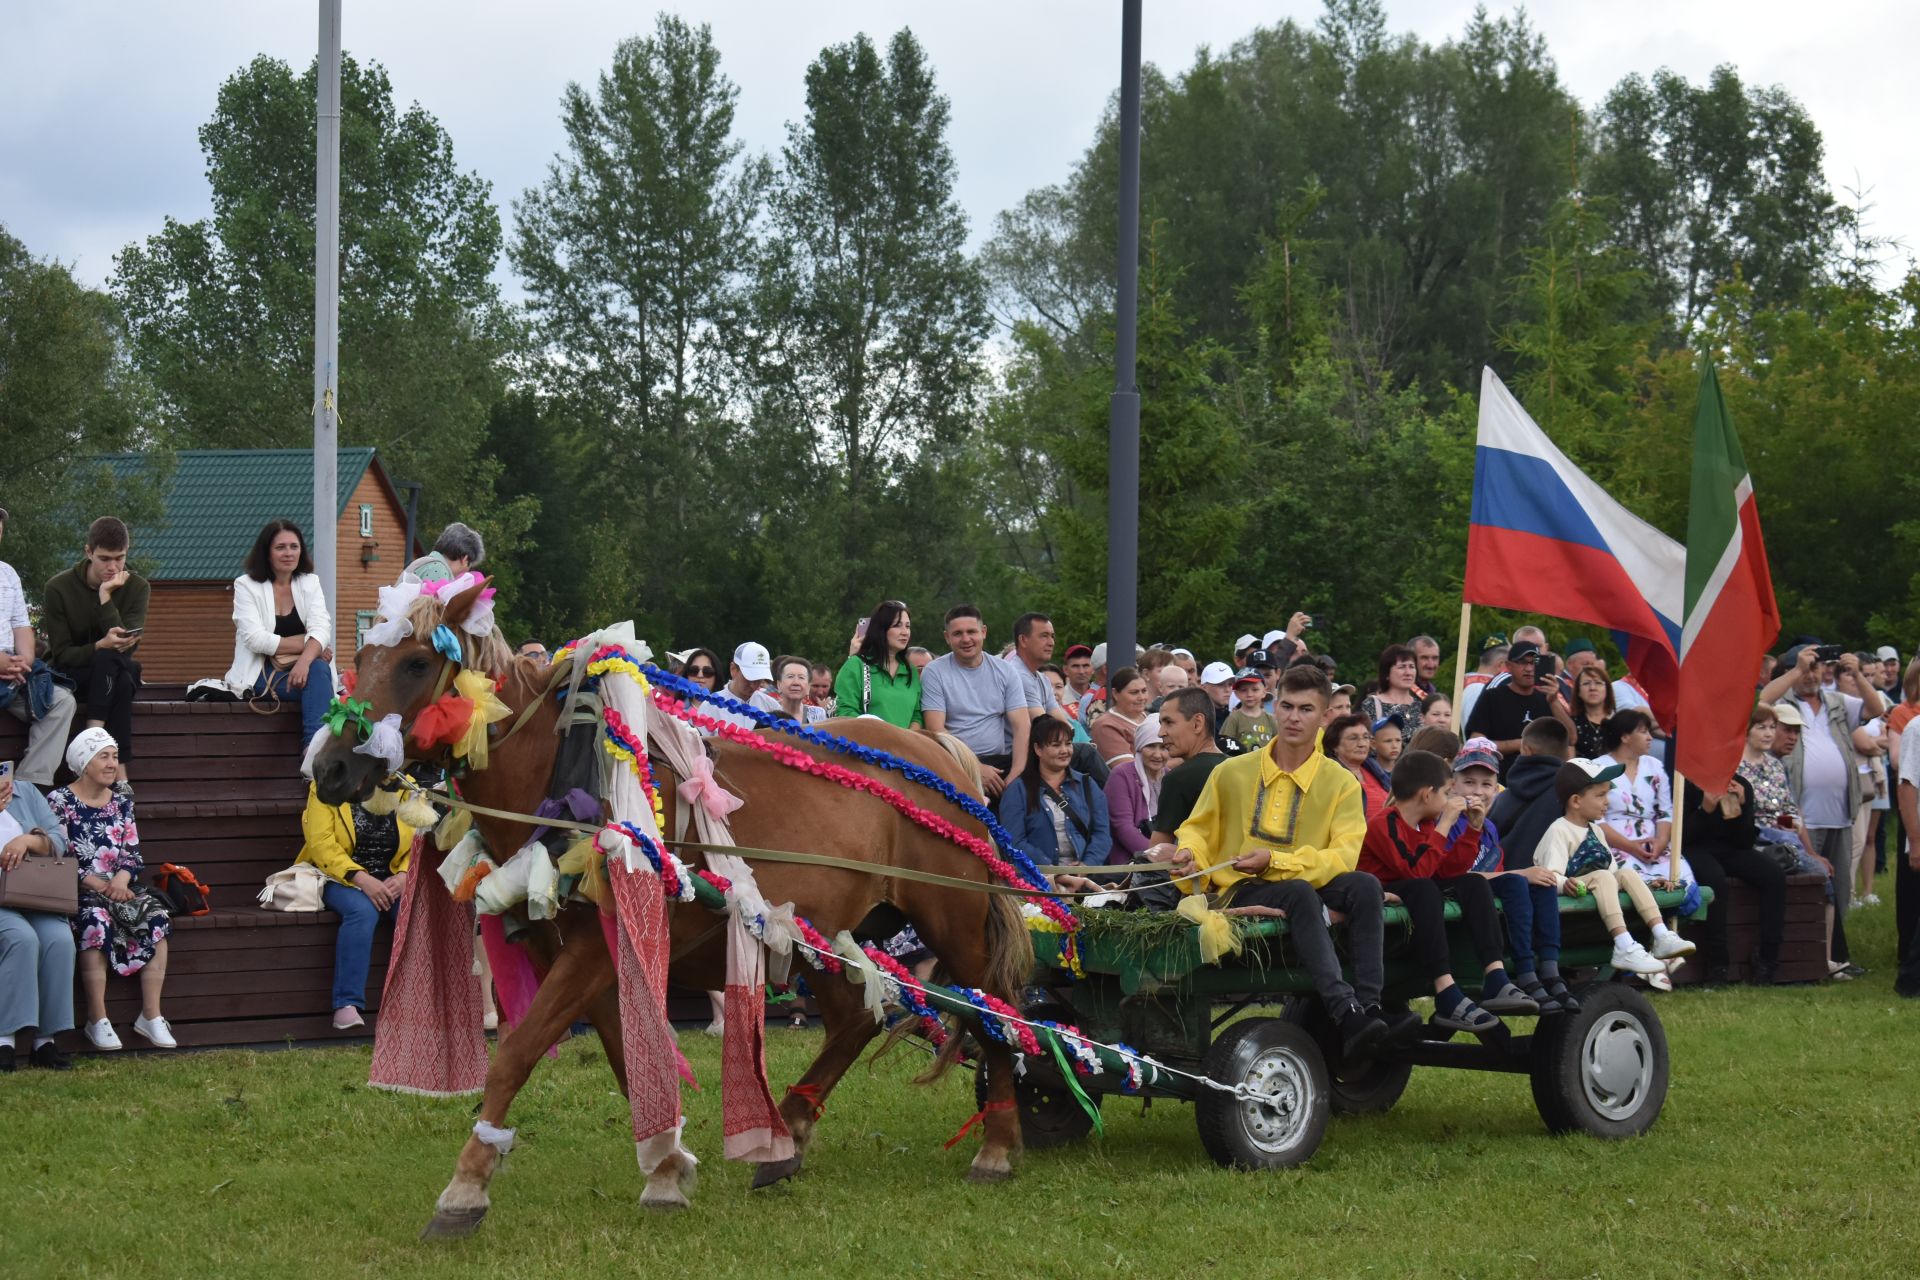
x=860 y=629
x=6 y=770
x=1316 y=622
x=132 y=631
x=1829 y=652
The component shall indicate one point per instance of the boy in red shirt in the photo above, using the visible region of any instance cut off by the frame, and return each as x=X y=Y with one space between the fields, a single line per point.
x=1407 y=849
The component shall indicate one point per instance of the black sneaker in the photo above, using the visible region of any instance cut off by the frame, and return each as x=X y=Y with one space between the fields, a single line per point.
x=1360 y=1034
x=7 y=1061
x=1403 y=1026
x=49 y=1058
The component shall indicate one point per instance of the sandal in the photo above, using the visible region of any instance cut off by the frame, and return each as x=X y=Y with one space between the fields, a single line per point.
x=1466 y=1016
x=798 y=1022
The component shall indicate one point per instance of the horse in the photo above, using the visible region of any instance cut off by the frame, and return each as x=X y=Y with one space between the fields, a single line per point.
x=980 y=939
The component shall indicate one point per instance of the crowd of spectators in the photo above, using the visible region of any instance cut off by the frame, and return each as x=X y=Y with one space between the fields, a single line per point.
x=1096 y=761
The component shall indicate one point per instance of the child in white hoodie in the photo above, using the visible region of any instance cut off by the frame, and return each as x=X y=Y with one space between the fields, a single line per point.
x=1574 y=851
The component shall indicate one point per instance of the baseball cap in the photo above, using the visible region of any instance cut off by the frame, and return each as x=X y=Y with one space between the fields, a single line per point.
x=1886 y=652
x=1216 y=673
x=754 y=661
x=1786 y=713
x=1078 y=651
x=1245 y=642
x=1272 y=638
x=1244 y=674
x=1259 y=658
x=1579 y=773
x=1478 y=753
x=1100 y=654
x=1523 y=651
x=1183 y=653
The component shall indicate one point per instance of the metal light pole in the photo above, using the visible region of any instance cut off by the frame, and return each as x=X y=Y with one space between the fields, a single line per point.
x=1123 y=435
x=326 y=307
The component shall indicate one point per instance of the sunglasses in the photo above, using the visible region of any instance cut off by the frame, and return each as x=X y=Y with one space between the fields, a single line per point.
x=697 y=671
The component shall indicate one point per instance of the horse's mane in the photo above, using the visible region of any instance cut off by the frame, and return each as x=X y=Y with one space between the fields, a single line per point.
x=489 y=653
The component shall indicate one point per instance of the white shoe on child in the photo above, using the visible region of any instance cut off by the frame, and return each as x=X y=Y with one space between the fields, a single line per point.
x=1667 y=944
x=100 y=1035
x=1630 y=957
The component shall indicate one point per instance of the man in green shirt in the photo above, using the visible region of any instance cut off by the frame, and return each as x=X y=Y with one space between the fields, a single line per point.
x=94 y=615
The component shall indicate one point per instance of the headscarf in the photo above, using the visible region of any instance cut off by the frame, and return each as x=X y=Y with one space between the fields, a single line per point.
x=1146 y=735
x=89 y=743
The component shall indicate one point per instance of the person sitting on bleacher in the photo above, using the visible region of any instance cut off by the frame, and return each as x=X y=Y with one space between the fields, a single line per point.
x=457 y=549
x=94 y=615
x=365 y=857
x=283 y=634
x=36 y=947
x=116 y=922
x=27 y=687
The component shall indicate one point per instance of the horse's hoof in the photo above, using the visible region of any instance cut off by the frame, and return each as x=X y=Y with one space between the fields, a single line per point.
x=765 y=1175
x=978 y=1173
x=453 y=1224
x=666 y=1201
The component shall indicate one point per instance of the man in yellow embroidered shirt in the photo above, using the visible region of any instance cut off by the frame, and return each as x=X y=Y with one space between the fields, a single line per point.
x=1281 y=828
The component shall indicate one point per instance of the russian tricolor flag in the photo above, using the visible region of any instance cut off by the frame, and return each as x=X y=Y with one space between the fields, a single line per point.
x=1546 y=539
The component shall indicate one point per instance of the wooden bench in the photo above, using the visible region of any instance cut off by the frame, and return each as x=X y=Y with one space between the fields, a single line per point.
x=1803 y=948
x=218 y=789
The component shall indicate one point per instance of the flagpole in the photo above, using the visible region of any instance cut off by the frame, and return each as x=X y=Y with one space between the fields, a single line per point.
x=1673 y=845
x=1460 y=660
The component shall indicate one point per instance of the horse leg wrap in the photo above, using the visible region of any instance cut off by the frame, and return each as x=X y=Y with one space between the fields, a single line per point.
x=500 y=1140
x=810 y=1093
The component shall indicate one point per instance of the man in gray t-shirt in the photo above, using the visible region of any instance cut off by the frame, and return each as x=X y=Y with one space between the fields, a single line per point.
x=978 y=700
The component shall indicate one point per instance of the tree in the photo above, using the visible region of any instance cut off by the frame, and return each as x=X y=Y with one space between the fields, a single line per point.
x=1711 y=179
x=66 y=392
x=869 y=314
x=632 y=251
x=221 y=310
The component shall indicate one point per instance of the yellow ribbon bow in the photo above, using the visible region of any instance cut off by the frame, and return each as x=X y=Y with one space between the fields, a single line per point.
x=477 y=686
x=1217 y=934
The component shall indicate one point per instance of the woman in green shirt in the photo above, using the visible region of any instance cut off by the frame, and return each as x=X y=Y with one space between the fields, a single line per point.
x=876 y=678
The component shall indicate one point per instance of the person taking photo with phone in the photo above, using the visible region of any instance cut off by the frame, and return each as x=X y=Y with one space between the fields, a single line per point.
x=876 y=679
x=94 y=615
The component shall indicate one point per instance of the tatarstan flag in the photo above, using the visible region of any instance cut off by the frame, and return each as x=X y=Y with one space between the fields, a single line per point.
x=1731 y=617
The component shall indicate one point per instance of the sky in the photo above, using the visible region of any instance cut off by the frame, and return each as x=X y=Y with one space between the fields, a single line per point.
x=100 y=103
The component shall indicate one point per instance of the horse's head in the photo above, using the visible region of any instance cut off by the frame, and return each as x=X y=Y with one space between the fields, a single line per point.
x=403 y=668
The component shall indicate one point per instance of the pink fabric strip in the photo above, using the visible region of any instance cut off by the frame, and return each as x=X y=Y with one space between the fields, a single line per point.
x=514 y=980
x=427 y=1035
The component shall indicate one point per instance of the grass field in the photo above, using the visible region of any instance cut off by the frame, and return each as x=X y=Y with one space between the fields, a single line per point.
x=1790 y=1145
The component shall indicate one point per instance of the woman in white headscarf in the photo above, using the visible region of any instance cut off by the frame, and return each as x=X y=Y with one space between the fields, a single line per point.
x=116 y=923
x=1133 y=791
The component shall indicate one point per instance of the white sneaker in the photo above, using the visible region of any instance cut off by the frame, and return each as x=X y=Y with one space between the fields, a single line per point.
x=1668 y=944
x=1871 y=900
x=1630 y=957
x=157 y=1032
x=716 y=1028
x=100 y=1035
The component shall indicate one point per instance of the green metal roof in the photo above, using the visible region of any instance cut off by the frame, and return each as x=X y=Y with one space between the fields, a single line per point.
x=218 y=499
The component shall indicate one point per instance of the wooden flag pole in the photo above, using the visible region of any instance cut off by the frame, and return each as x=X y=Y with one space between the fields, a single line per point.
x=1673 y=849
x=1460 y=660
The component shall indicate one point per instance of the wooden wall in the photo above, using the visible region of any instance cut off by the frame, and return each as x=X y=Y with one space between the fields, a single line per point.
x=190 y=624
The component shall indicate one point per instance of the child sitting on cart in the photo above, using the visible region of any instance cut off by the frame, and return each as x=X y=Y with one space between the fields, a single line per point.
x=1408 y=848
x=1528 y=899
x=1573 y=850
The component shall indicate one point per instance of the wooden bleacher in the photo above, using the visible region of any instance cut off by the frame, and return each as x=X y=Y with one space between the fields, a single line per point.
x=1803 y=949
x=218 y=789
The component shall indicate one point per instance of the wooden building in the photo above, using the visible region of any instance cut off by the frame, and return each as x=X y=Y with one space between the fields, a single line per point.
x=217 y=501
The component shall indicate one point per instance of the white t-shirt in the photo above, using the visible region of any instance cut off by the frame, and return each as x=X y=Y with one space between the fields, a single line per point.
x=1910 y=760
x=1627 y=698
x=768 y=703
x=1823 y=770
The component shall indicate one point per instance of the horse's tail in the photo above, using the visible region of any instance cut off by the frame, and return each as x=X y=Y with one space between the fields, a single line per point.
x=1009 y=963
x=969 y=763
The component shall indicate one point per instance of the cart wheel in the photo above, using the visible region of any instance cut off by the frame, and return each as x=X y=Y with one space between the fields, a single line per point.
x=1365 y=1088
x=1050 y=1116
x=1280 y=1062
x=1602 y=1070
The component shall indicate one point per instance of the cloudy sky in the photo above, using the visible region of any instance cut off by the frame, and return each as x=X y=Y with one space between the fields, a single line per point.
x=99 y=102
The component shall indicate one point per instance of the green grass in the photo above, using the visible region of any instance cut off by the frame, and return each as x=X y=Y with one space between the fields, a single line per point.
x=1789 y=1145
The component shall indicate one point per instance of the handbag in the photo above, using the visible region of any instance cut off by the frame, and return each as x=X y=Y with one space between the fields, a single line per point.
x=42 y=883
x=1784 y=856
x=296 y=888
x=181 y=891
x=1592 y=855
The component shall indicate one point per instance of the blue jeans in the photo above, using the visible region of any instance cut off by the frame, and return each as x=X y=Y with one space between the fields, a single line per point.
x=36 y=972
x=353 y=950
x=314 y=699
x=1533 y=919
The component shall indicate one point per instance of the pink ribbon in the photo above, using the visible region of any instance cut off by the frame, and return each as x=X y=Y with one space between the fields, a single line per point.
x=705 y=788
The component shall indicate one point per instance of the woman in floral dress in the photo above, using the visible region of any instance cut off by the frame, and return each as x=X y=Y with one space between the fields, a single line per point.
x=117 y=923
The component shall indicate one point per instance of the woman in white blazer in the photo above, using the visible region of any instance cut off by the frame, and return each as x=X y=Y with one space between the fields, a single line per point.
x=283 y=634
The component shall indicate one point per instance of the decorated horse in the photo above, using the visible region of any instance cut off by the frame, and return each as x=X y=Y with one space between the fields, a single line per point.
x=572 y=776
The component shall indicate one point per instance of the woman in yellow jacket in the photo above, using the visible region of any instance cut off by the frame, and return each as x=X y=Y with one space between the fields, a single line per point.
x=365 y=857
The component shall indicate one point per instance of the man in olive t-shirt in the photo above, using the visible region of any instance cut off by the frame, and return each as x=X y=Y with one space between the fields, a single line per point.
x=1186 y=727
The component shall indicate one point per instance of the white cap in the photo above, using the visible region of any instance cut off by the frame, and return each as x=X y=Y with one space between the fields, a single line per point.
x=1244 y=643
x=1217 y=673
x=1887 y=653
x=1183 y=653
x=754 y=661
x=1100 y=654
x=1266 y=641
